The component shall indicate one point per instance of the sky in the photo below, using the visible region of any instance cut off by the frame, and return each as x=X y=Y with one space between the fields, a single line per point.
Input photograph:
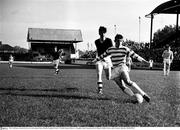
x=126 y=17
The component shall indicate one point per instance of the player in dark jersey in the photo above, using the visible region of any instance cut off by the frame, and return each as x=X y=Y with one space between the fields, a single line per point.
x=102 y=44
x=57 y=57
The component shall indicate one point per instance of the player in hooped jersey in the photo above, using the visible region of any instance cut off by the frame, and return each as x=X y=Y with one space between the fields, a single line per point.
x=167 y=60
x=120 y=72
x=102 y=44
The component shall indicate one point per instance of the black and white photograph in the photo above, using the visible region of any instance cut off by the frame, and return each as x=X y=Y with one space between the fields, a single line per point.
x=89 y=64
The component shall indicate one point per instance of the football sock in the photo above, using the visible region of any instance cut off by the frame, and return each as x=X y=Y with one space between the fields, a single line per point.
x=146 y=97
x=128 y=91
x=167 y=73
x=138 y=88
x=100 y=85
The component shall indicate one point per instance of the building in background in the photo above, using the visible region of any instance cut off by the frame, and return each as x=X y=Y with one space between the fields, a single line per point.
x=43 y=41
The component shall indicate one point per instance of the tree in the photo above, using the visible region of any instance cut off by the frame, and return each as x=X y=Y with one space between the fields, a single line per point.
x=89 y=54
x=161 y=36
x=133 y=45
x=18 y=49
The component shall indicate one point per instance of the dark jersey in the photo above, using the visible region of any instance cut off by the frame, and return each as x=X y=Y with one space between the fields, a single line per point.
x=55 y=55
x=103 y=46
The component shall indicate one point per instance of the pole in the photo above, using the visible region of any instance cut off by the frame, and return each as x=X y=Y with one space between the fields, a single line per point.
x=151 y=31
x=177 y=21
x=139 y=29
x=88 y=46
x=115 y=30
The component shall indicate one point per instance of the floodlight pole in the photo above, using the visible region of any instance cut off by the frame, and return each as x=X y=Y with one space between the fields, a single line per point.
x=177 y=21
x=139 y=29
x=152 y=16
x=115 y=30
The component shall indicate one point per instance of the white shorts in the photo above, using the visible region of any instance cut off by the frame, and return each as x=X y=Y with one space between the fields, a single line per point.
x=167 y=61
x=117 y=71
x=56 y=61
x=107 y=63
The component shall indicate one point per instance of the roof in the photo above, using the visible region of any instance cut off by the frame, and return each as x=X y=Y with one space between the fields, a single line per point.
x=169 y=7
x=54 y=35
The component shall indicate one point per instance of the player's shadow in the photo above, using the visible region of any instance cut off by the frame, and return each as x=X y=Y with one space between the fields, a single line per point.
x=62 y=66
x=66 y=93
x=70 y=89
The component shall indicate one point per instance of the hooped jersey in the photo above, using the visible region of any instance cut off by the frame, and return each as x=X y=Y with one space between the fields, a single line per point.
x=119 y=55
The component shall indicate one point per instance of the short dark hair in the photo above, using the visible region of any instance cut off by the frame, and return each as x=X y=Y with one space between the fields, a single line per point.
x=167 y=46
x=118 y=36
x=103 y=29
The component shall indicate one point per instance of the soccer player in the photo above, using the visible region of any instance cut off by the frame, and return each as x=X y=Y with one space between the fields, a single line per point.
x=57 y=57
x=11 y=59
x=167 y=60
x=102 y=44
x=120 y=73
x=150 y=64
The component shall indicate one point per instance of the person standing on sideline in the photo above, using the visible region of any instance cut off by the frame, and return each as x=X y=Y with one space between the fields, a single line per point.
x=167 y=60
x=57 y=57
x=102 y=44
x=11 y=59
x=120 y=72
x=150 y=64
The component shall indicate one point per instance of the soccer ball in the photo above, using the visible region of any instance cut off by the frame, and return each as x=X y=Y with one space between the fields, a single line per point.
x=139 y=98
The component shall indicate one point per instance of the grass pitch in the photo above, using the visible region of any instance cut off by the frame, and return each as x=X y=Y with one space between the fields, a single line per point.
x=32 y=96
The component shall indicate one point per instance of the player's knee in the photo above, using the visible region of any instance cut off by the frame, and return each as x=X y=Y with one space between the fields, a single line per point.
x=99 y=74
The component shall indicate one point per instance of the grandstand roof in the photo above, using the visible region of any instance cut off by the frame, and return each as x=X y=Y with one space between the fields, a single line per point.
x=54 y=35
x=169 y=7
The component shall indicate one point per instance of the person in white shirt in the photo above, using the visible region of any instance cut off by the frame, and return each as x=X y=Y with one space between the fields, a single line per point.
x=167 y=60
x=11 y=59
x=151 y=64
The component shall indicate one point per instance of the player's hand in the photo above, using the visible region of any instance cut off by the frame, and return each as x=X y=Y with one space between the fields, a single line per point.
x=94 y=61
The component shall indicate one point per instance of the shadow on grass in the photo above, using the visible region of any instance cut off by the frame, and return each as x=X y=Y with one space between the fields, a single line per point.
x=61 y=66
x=66 y=93
x=46 y=90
